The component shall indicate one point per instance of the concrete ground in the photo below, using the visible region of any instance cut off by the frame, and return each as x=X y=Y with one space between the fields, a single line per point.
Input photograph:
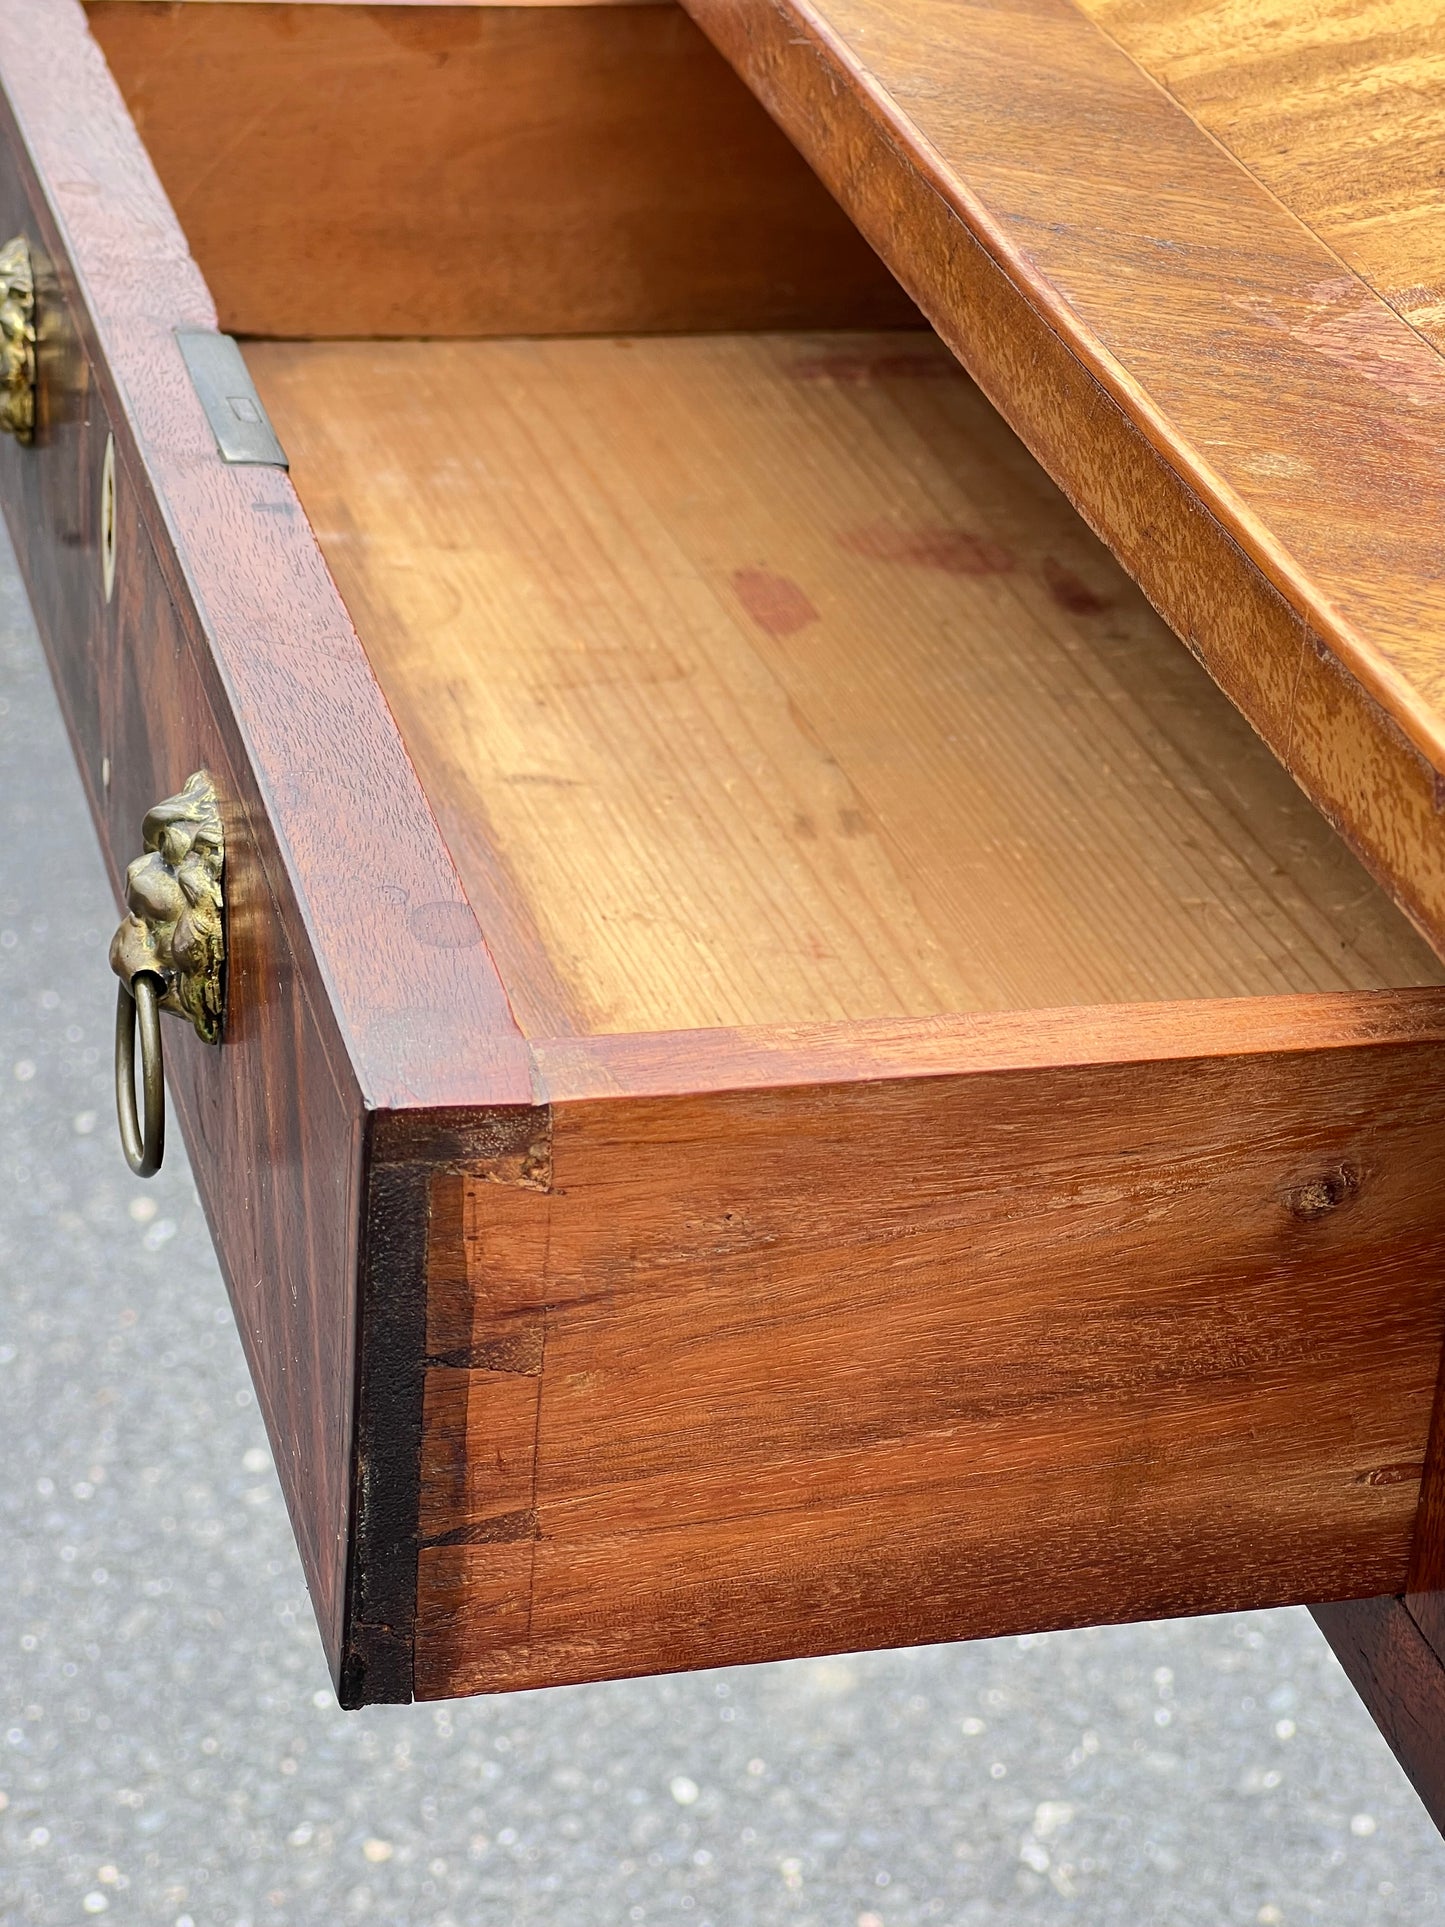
x=170 y=1751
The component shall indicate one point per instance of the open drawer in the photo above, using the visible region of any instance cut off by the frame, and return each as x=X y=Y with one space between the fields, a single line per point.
x=793 y=1076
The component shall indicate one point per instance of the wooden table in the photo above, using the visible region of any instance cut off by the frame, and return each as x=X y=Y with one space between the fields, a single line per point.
x=793 y=1075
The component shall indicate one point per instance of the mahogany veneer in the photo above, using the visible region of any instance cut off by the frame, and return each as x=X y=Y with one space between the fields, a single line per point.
x=795 y=1076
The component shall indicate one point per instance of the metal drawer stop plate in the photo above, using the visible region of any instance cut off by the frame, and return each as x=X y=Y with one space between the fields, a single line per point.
x=239 y=422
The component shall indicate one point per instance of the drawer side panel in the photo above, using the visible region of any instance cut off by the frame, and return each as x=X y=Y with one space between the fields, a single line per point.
x=935 y=1359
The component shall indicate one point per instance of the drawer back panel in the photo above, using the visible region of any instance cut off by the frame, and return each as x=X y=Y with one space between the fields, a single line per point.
x=477 y=170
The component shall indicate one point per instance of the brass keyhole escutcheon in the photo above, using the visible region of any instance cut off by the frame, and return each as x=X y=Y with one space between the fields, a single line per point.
x=17 y=340
x=169 y=954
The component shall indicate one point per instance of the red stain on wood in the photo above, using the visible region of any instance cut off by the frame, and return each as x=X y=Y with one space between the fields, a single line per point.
x=775 y=602
x=954 y=551
x=1070 y=591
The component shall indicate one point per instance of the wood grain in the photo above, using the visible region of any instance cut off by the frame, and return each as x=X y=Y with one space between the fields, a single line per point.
x=763 y=1058
x=1149 y=318
x=375 y=170
x=768 y=680
x=807 y=1379
x=1337 y=107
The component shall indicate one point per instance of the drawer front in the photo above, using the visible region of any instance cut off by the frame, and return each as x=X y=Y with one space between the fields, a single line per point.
x=224 y=646
x=272 y=1117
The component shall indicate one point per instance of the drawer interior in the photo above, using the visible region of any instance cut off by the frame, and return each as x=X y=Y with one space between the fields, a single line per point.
x=755 y=672
x=766 y=679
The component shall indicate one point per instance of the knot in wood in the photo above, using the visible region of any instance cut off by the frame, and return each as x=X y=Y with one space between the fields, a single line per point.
x=1317 y=1197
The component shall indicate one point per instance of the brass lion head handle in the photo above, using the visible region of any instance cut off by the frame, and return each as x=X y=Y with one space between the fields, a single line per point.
x=169 y=953
x=17 y=340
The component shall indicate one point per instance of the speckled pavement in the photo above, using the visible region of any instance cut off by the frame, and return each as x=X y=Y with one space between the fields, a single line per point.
x=170 y=1750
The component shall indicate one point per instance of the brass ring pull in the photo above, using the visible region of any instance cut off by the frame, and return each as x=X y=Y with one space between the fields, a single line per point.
x=169 y=954
x=144 y=1146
